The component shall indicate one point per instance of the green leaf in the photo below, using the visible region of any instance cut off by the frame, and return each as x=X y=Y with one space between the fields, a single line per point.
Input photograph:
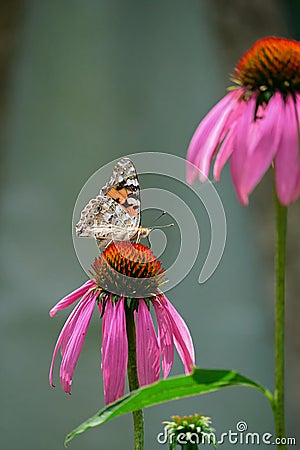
x=199 y=382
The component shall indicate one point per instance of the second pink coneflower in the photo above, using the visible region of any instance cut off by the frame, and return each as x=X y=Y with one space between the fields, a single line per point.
x=257 y=124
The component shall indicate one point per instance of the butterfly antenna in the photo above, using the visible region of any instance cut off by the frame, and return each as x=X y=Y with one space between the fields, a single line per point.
x=158 y=227
x=162 y=226
x=160 y=216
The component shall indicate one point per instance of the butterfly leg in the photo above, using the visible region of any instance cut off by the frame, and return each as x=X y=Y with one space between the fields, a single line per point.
x=138 y=236
x=148 y=240
x=109 y=242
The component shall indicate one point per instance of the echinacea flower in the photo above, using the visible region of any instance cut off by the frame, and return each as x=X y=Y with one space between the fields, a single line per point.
x=257 y=124
x=117 y=266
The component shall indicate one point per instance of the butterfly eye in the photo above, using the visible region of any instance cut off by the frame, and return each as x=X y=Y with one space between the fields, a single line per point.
x=90 y=223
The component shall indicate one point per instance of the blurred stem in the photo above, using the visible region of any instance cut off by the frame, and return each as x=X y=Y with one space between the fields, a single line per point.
x=280 y=261
x=189 y=446
x=138 y=417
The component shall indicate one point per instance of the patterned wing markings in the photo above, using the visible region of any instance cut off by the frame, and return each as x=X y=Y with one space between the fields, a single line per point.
x=115 y=213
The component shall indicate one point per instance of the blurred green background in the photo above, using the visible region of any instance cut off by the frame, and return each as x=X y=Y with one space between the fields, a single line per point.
x=85 y=82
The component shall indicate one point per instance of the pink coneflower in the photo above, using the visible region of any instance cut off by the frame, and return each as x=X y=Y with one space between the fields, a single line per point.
x=117 y=265
x=256 y=125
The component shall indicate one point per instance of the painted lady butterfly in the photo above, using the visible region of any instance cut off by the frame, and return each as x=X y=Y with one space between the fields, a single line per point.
x=114 y=215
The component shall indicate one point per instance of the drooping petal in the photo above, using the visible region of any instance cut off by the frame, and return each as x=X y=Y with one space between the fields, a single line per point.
x=64 y=336
x=71 y=340
x=229 y=137
x=225 y=152
x=165 y=337
x=75 y=343
x=296 y=194
x=147 y=348
x=114 y=350
x=287 y=160
x=182 y=336
x=257 y=143
x=239 y=152
x=72 y=297
x=208 y=135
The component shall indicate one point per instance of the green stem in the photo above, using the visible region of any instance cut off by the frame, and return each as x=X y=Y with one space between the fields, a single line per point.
x=138 y=417
x=278 y=405
x=189 y=446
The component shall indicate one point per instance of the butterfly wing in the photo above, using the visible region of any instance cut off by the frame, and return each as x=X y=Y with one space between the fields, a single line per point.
x=123 y=187
x=115 y=213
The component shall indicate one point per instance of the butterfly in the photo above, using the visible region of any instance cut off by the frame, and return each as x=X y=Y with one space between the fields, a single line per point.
x=115 y=214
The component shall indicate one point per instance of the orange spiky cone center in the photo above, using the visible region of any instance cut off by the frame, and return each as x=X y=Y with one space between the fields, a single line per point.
x=125 y=263
x=270 y=64
x=132 y=260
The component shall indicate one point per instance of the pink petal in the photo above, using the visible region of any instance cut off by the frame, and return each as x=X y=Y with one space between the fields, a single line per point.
x=240 y=148
x=296 y=194
x=165 y=337
x=147 y=349
x=230 y=130
x=287 y=159
x=72 y=297
x=71 y=340
x=224 y=152
x=182 y=337
x=260 y=142
x=114 y=350
x=75 y=343
x=297 y=184
x=208 y=135
x=64 y=336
